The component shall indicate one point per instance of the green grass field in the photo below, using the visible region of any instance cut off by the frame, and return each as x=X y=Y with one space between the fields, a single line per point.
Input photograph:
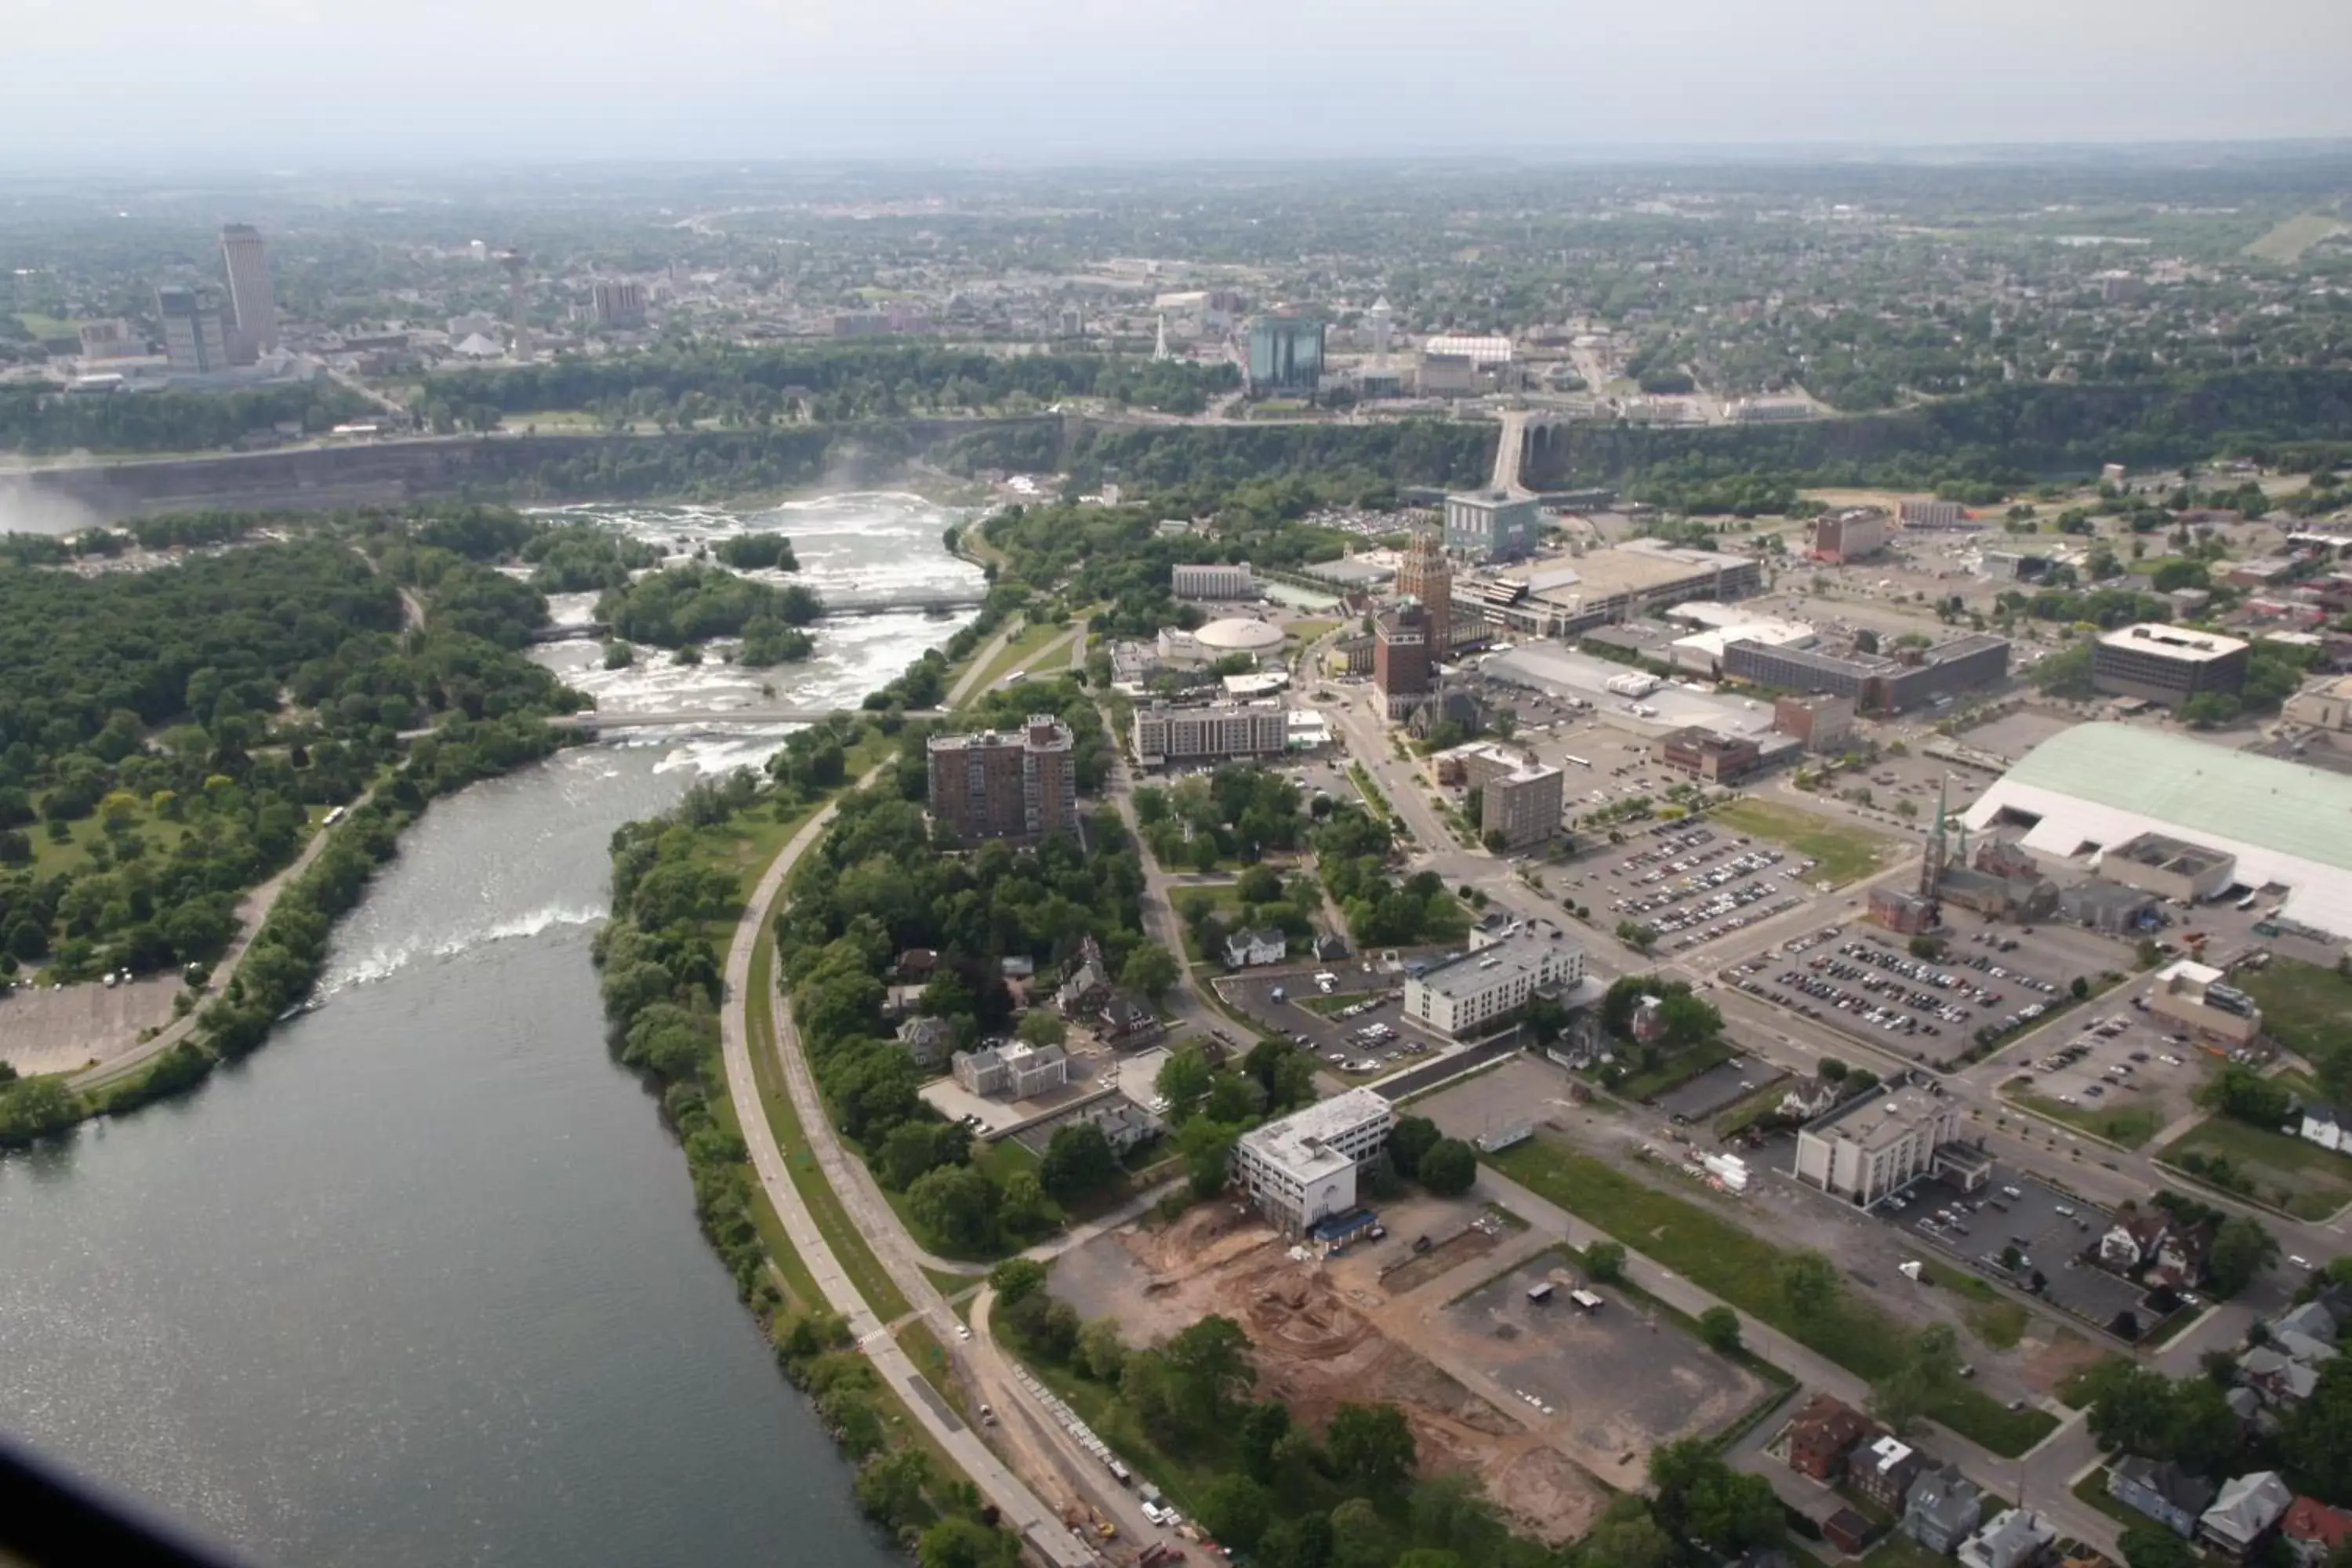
x=1992 y=1317
x=2290 y=238
x=2307 y=1181
x=1015 y=654
x=2129 y=1125
x=1842 y=851
x=1737 y=1266
x=1309 y=630
x=2305 y=1008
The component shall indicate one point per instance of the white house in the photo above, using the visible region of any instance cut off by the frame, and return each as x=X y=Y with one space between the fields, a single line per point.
x=1249 y=948
x=2010 y=1538
x=2322 y=1126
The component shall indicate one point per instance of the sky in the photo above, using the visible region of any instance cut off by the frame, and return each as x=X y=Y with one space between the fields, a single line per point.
x=313 y=82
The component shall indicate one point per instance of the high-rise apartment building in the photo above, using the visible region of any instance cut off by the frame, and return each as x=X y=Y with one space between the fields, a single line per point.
x=1424 y=573
x=618 y=302
x=194 y=338
x=253 y=330
x=1401 y=657
x=999 y=784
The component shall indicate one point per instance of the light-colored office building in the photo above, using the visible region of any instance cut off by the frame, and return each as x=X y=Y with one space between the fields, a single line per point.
x=1870 y=1147
x=253 y=303
x=1927 y=512
x=1489 y=982
x=1488 y=525
x=195 y=337
x=1302 y=1169
x=1213 y=733
x=2197 y=995
x=1212 y=580
x=2166 y=664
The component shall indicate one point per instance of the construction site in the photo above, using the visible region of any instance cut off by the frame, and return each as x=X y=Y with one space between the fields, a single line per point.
x=1541 y=1405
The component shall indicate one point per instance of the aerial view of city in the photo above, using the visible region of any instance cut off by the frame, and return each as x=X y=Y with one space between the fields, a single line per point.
x=1090 y=822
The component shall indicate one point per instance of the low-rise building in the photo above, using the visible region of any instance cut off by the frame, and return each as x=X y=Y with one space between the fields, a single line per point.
x=1881 y=1473
x=1705 y=755
x=1302 y=1168
x=2167 y=665
x=1215 y=732
x=2013 y=1538
x=2170 y=867
x=1927 y=512
x=1489 y=982
x=1821 y=1435
x=1821 y=722
x=2246 y=1513
x=1868 y=1147
x=1490 y=526
x=2107 y=906
x=1212 y=580
x=1251 y=949
x=1943 y=1510
x=2313 y=1532
x=1909 y=679
x=2162 y=1490
x=2323 y=1124
x=2197 y=996
x=2325 y=704
x=927 y=1040
x=1851 y=533
x=1014 y=1071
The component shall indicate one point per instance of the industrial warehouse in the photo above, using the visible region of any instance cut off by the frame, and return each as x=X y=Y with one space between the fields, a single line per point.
x=2095 y=789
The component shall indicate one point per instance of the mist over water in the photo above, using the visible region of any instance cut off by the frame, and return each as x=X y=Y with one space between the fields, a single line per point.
x=420 y=1283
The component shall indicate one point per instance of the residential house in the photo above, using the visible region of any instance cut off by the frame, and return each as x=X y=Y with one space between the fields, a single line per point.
x=916 y=964
x=2324 y=1125
x=2243 y=1517
x=2245 y=1404
x=2314 y=1532
x=1881 y=1473
x=1126 y=1020
x=928 y=1040
x=1330 y=945
x=2162 y=1490
x=2130 y=1243
x=1821 y=1435
x=2013 y=1538
x=2312 y=1320
x=1250 y=949
x=2296 y=1345
x=1943 y=1510
x=1086 y=984
x=982 y=1072
x=2278 y=1378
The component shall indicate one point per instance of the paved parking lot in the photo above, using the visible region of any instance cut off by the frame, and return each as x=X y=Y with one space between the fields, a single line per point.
x=1865 y=982
x=1717 y=1089
x=2121 y=1057
x=2056 y=1237
x=1364 y=1025
x=1691 y=884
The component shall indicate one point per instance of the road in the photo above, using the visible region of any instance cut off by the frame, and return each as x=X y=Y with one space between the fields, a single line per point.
x=252 y=911
x=1020 y=1507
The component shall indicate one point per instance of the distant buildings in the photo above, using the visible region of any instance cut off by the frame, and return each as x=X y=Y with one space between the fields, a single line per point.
x=1874 y=1144
x=109 y=339
x=1285 y=354
x=617 y=302
x=1302 y=1168
x=1214 y=733
x=1213 y=580
x=1705 y=755
x=2167 y=665
x=253 y=327
x=1425 y=574
x=998 y=784
x=1851 y=534
x=196 y=339
x=1560 y=596
x=1487 y=526
x=1489 y=982
x=1925 y=512
x=1823 y=723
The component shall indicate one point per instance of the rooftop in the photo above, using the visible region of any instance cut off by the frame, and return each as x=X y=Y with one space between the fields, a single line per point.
x=1478 y=970
x=1299 y=1143
x=2184 y=643
x=1876 y=1119
x=1239 y=634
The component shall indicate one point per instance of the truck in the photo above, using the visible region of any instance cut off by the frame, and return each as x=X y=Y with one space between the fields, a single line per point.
x=1538 y=1294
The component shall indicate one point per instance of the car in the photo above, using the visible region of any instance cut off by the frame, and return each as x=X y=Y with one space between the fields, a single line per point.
x=963 y=1330
x=2298 y=1262
x=1152 y=1511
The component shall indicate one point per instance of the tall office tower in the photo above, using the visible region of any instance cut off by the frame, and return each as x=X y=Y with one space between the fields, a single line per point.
x=194 y=338
x=1383 y=319
x=251 y=302
x=1425 y=574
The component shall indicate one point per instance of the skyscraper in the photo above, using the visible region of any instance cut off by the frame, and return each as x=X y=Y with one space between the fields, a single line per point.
x=1425 y=574
x=194 y=338
x=251 y=303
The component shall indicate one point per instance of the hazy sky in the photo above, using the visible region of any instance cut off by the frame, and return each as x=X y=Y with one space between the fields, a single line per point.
x=307 y=82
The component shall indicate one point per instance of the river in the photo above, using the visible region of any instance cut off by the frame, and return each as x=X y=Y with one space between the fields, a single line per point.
x=420 y=1283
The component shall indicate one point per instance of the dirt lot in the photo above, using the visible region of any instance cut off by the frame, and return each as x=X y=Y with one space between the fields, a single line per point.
x=1325 y=1335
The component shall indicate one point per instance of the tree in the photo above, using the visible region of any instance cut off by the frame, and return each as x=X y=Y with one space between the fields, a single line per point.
x=956 y=1204
x=1016 y=1278
x=1209 y=1367
x=1184 y=1081
x=1264 y=1426
x=1371 y=1447
x=2153 y=1546
x=1040 y=1026
x=2316 y=1439
x=2241 y=1249
x=1101 y=1353
x=1299 y=1541
x=1605 y=1261
x=960 y=1542
x=1208 y=1149
x=2241 y=1092
x=1719 y=1329
x=1449 y=1169
x=1236 y=1511
x=1626 y=1537
x=1148 y=972
x=1929 y=1371
x=1808 y=1282
x=1078 y=1162
x=890 y=1486
x=1360 y=1538
x=2079 y=988
x=1637 y=936
x=1021 y=1206
x=1409 y=1139
x=1736 y=1511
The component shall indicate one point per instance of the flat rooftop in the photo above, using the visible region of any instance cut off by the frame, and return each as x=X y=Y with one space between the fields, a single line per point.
x=1878 y=1119
x=2183 y=643
x=1480 y=969
x=1299 y=1143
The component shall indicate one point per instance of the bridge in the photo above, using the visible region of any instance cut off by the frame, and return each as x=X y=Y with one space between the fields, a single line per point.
x=710 y=718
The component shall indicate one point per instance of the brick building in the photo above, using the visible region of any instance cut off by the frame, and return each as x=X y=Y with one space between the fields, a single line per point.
x=997 y=783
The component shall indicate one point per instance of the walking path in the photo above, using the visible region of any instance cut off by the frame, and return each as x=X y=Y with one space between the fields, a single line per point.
x=1020 y=1508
